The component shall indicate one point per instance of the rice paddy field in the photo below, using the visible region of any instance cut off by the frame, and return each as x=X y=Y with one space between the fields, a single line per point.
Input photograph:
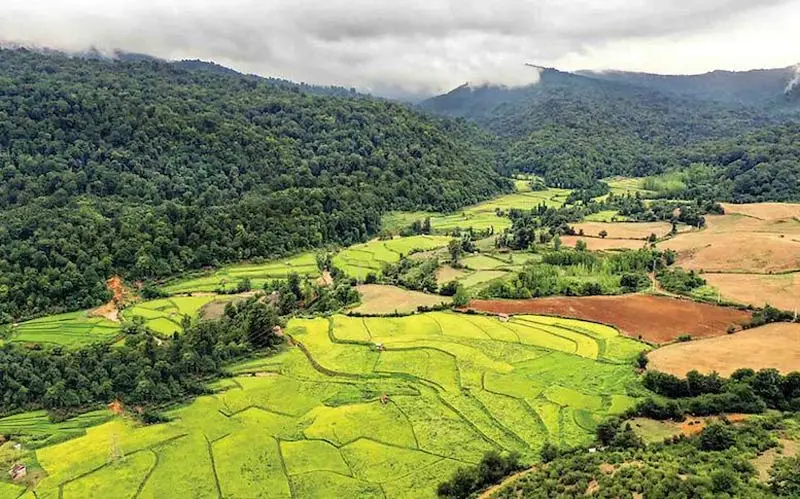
x=74 y=329
x=338 y=417
x=164 y=316
x=484 y=215
x=229 y=277
x=359 y=260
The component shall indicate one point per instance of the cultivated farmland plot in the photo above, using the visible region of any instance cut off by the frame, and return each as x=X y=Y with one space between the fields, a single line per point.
x=484 y=215
x=362 y=259
x=229 y=277
x=340 y=416
x=74 y=329
x=164 y=316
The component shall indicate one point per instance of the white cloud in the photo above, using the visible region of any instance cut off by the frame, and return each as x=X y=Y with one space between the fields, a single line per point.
x=421 y=46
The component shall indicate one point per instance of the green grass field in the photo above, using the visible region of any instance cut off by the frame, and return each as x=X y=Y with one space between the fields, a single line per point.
x=74 y=329
x=361 y=259
x=164 y=316
x=230 y=276
x=312 y=423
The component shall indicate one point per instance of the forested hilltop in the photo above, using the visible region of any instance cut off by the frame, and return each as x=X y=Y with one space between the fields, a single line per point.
x=147 y=169
x=572 y=129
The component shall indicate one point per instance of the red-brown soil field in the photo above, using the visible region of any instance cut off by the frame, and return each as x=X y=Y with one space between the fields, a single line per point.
x=656 y=319
x=771 y=346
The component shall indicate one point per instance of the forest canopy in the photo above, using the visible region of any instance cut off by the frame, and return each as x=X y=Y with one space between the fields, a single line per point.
x=147 y=169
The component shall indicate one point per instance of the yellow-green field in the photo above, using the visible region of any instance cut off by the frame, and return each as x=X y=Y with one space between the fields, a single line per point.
x=362 y=259
x=481 y=216
x=164 y=316
x=74 y=329
x=228 y=278
x=311 y=423
x=628 y=185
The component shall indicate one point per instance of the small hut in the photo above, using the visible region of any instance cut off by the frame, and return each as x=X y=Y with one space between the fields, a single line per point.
x=503 y=317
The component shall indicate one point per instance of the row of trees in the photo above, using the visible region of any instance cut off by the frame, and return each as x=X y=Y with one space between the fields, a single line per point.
x=142 y=371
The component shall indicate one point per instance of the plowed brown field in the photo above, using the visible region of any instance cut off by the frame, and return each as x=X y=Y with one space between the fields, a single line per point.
x=656 y=319
x=771 y=346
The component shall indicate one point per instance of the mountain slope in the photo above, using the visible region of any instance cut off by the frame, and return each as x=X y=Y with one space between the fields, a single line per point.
x=574 y=128
x=767 y=88
x=146 y=169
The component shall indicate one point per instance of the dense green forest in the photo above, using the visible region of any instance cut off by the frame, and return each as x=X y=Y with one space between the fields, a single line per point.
x=146 y=169
x=572 y=129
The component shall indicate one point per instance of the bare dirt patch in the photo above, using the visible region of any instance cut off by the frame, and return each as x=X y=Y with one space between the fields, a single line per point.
x=624 y=230
x=764 y=462
x=119 y=297
x=737 y=243
x=326 y=279
x=446 y=273
x=779 y=290
x=771 y=346
x=380 y=299
x=764 y=211
x=598 y=244
x=656 y=319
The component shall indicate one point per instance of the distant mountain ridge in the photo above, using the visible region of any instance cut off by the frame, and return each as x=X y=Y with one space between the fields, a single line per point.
x=753 y=87
x=574 y=128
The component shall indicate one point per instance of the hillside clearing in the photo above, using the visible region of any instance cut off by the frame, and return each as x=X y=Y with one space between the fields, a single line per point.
x=771 y=346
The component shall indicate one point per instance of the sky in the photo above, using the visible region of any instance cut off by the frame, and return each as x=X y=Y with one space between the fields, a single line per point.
x=421 y=47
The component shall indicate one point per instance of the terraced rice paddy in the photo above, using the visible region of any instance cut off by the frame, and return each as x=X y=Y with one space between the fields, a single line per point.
x=362 y=259
x=338 y=416
x=74 y=329
x=229 y=277
x=164 y=316
x=481 y=216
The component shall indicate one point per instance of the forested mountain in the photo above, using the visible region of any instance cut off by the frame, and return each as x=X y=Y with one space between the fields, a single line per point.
x=146 y=168
x=768 y=88
x=575 y=128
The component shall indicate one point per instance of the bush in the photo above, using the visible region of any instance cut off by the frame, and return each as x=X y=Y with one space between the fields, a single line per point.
x=717 y=437
x=449 y=289
x=492 y=468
